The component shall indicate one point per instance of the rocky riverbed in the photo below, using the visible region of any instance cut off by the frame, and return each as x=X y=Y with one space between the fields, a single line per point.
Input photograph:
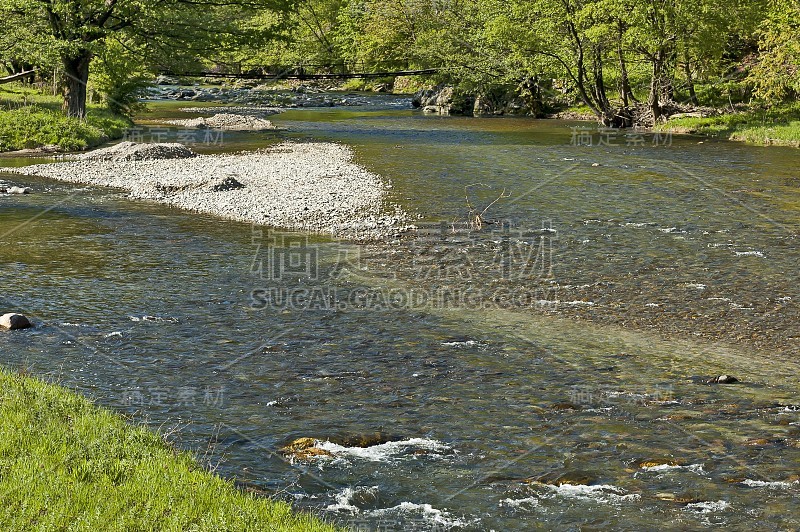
x=313 y=187
x=251 y=94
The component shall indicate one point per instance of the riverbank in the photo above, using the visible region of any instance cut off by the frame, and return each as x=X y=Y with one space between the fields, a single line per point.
x=777 y=126
x=313 y=187
x=32 y=121
x=60 y=452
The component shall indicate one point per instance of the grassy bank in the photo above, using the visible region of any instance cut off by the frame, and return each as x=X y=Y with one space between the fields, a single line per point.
x=68 y=464
x=32 y=120
x=779 y=126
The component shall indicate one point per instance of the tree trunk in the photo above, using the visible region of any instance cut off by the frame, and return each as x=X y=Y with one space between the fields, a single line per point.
x=655 y=89
x=690 y=82
x=668 y=69
x=668 y=90
x=625 y=92
x=608 y=115
x=76 y=74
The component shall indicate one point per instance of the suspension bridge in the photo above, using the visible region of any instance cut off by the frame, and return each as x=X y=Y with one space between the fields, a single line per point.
x=299 y=73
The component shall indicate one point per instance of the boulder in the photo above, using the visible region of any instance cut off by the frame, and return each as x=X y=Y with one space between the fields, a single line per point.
x=559 y=478
x=309 y=448
x=483 y=107
x=300 y=444
x=304 y=449
x=223 y=184
x=14 y=321
x=443 y=100
x=364 y=440
x=722 y=379
x=18 y=190
x=502 y=101
x=446 y=100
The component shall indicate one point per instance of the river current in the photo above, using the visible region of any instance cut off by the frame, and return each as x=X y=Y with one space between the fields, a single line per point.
x=541 y=366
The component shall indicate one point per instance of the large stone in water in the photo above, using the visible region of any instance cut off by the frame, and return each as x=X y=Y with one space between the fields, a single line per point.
x=723 y=379
x=573 y=478
x=14 y=321
x=304 y=449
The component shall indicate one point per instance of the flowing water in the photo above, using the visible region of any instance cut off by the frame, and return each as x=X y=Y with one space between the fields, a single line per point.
x=546 y=371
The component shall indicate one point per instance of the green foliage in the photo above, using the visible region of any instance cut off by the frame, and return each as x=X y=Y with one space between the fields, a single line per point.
x=775 y=125
x=32 y=126
x=67 y=464
x=366 y=84
x=162 y=32
x=24 y=42
x=121 y=77
x=29 y=119
x=617 y=57
x=610 y=55
x=776 y=75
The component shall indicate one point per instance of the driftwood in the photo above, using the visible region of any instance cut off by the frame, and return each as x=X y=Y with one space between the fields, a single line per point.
x=476 y=218
x=15 y=77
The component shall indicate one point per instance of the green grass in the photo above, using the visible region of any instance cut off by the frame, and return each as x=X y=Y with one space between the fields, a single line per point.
x=68 y=464
x=32 y=120
x=578 y=108
x=778 y=126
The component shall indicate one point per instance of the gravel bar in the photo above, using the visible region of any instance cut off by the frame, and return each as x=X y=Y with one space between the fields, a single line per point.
x=314 y=187
x=224 y=121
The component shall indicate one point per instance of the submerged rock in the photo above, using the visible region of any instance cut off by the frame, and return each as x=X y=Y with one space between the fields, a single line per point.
x=658 y=462
x=14 y=321
x=565 y=406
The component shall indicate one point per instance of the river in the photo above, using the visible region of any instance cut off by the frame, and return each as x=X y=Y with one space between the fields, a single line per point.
x=543 y=369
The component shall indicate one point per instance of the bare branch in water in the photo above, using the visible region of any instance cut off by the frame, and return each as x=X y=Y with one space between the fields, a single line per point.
x=477 y=218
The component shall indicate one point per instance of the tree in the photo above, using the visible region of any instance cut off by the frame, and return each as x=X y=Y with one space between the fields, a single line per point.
x=776 y=75
x=79 y=30
x=24 y=47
